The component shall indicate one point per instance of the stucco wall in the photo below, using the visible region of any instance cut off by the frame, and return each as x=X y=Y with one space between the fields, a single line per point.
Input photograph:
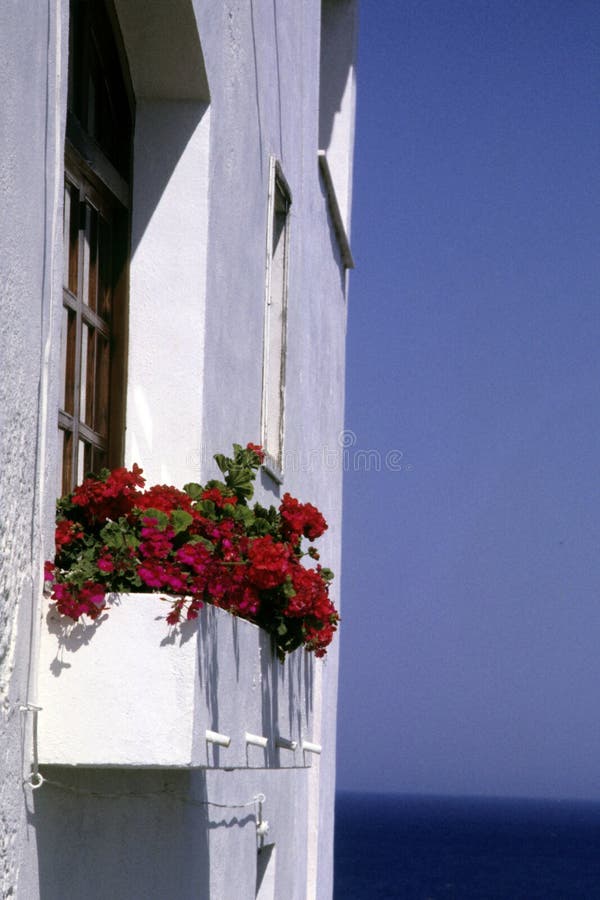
x=31 y=152
x=262 y=62
x=217 y=674
x=198 y=291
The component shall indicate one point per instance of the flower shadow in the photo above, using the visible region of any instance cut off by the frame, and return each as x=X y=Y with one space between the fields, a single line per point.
x=70 y=637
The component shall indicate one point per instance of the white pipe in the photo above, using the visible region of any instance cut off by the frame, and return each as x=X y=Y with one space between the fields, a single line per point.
x=308 y=747
x=223 y=740
x=256 y=739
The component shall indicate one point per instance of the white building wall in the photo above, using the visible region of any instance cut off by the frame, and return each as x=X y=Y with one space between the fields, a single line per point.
x=31 y=161
x=208 y=124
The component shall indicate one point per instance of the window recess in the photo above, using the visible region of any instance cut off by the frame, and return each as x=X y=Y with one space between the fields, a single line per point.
x=273 y=401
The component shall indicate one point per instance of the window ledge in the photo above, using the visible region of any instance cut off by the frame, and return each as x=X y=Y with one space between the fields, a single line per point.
x=273 y=469
x=334 y=209
x=126 y=691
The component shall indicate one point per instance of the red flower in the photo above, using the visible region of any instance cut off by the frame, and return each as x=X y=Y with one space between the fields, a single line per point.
x=156 y=544
x=152 y=574
x=269 y=562
x=175 y=615
x=192 y=610
x=92 y=592
x=219 y=499
x=88 y=600
x=66 y=531
x=258 y=451
x=163 y=542
x=300 y=519
x=164 y=498
x=311 y=597
x=109 y=499
x=317 y=638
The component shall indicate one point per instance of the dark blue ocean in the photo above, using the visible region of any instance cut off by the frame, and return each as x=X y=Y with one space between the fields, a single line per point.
x=434 y=848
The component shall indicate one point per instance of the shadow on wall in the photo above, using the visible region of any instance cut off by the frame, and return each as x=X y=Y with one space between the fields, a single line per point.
x=209 y=675
x=287 y=705
x=333 y=238
x=164 y=130
x=338 y=40
x=246 y=690
x=166 y=63
x=135 y=835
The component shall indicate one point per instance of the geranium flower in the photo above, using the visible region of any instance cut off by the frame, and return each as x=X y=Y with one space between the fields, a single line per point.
x=246 y=560
x=269 y=562
x=300 y=519
x=220 y=500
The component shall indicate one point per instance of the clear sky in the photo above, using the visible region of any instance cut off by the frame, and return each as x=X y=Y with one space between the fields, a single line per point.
x=470 y=655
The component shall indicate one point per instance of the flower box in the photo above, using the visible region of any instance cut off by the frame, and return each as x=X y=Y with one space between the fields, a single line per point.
x=124 y=691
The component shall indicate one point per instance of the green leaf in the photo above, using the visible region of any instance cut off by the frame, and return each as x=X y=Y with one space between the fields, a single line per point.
x=181 y=520
x=131 y=540
x=112 y=536
x=207 y=508
x=222 y=462
x=213 y=483
x=162 y=519
x=240 y=480
x=198 y=539
x=193 y=490
x=288 y=588
x=243 y=514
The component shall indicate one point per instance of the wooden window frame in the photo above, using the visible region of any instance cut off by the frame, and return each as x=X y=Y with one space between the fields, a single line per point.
x=275 y=334
x=101 y=192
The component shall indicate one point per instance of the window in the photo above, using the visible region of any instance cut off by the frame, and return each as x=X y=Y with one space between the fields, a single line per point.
x=96 y=241
x=275 y=321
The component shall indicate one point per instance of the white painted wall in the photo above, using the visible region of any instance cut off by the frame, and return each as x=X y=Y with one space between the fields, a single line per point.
x=219 y=88
x=218 y=674
x=33 y=37
x=167 y=288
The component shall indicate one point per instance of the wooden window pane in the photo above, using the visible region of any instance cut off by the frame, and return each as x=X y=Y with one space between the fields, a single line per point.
x=92 y=242
x=64 y=331
x=83 y=376
x=70 y=352
x=104 y=269
x=85 y=287
x=88 y=372
x=83 y=460
x=67 y=484
x=66 y=233
x=102 y=385
x=70 y=237
x=61 y=456
x=88 y=459
x=98 y=460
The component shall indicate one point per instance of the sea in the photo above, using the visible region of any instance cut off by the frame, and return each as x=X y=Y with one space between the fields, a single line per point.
x=435 y=848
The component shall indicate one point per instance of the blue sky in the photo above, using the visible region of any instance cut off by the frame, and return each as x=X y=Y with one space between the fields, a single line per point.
x=471 y=587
